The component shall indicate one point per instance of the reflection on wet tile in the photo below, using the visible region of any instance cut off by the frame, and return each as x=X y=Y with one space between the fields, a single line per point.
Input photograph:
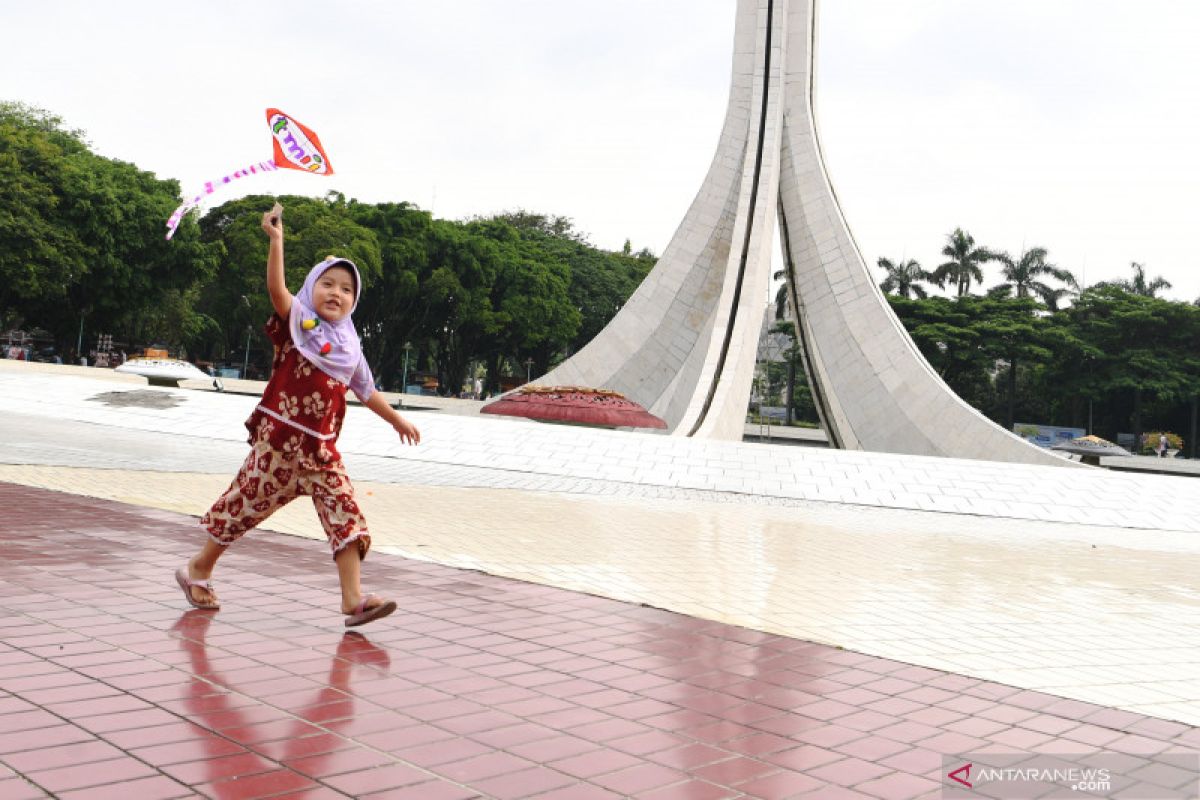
x=485 y=686
x=1104 y=615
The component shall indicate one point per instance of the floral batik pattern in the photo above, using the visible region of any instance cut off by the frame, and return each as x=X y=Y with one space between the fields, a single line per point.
x=302 y=408
x=270 y=479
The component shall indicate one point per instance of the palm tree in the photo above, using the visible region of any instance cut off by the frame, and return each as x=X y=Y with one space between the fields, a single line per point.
x=782 y=298
x=1053 y=297
x=965 y=260
x=904 y=277
x=1021 y=276
x=783 y=301
x=1139 y=285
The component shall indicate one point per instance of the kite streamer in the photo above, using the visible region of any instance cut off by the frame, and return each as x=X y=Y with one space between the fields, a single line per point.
x=212 y=186
x=296 y=147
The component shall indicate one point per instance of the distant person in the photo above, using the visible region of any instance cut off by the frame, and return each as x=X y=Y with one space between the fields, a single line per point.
x=1164 y=444
x=477 y=394
x=294 y=429
x=217 y=383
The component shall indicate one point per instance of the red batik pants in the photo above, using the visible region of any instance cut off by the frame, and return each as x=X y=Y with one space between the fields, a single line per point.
x=269 y=480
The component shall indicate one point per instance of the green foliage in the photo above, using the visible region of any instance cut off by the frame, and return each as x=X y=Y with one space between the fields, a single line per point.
x=797 y=394
x=964 y=264
x=1138 y=342
x=904 y=277
x=82 y=237
x=498 y=291
x=1127 y=354
x=82 y=240
x=39 y=250
x=236 y=295
x=1139 y=284
x=1021 y=276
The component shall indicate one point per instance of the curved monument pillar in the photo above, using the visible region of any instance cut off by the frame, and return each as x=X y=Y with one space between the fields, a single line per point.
x=684 y=345
x=664 y=347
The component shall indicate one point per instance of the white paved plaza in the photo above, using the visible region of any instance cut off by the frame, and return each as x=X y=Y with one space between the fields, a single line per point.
x=1081 y=583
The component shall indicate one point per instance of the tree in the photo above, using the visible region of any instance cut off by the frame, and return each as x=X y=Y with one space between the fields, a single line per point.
x=1054 y=296
x=1021 y=276
x=1011 y=333
x=81 y=243
x=464 y=321
x=904 y=278
x=533 y=298
x=1139 y=346
x=782 y=295
x=1139 y=285
x=537 y=295
x=600 y=281
x=39 y=253
x=81 y=239
x=236 y=296
x=964 y=264
x=395 y=312
x=943 y=330
x=548 y=224
x=970 y=341
x=797 y=395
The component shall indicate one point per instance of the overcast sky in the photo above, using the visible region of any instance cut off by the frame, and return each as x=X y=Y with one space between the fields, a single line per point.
x=1067 y=124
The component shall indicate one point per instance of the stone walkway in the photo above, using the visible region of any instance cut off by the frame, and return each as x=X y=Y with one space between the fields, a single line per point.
x=479 y=686
x=583 y=614
x=1103 y=615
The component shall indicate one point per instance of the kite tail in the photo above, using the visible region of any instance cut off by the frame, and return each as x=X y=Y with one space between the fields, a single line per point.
x=212 y=186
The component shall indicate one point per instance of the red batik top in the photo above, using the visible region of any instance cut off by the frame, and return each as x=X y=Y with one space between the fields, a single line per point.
x=302 y=408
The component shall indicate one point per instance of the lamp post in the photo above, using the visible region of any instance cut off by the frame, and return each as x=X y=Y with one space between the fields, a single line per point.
x=1195 y=403
x=528 y=367
x=79 y=340
x=404 y=375
x=246 y=355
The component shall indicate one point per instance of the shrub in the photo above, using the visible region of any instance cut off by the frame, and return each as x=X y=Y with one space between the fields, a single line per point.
x=1149 y=446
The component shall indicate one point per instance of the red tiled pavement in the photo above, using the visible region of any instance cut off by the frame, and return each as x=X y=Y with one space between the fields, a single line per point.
x=477 y=687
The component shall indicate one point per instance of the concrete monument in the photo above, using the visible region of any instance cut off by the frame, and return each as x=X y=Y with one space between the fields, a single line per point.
x=684 y=344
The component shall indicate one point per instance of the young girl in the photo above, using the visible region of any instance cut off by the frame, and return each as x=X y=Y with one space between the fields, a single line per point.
x=294 y=429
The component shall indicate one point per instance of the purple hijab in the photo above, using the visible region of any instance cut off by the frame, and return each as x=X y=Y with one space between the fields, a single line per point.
x=344 y=361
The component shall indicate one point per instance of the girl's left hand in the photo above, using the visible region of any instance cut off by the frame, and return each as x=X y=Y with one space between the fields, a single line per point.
x=408 y=432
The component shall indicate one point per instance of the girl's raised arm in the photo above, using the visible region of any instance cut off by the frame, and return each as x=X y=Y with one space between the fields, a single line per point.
x=281 y=298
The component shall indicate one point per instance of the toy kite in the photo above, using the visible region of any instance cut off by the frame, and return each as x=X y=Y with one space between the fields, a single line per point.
x=296 y=147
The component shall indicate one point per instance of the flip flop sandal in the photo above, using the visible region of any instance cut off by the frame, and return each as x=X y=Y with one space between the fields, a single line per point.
x=186 y=583
x=361 y=615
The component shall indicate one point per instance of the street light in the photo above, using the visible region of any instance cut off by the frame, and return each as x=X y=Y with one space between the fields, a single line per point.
x=246 y=356
x=528 y=367
x=83 y=311
x=404 y=375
